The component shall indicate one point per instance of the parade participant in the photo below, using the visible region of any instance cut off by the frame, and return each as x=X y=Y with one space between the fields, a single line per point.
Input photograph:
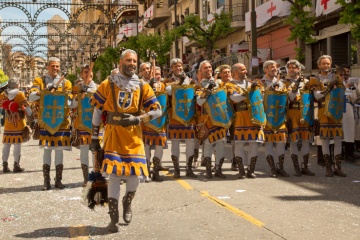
x=348 y=121
x=145 y=71
x=59 y=140
x=16 y=106
x=216 y=134
x=329 y=129
x=155 y=138
x=83 y=86
x=123 y=98
x=274 y=141
x=244 y=130
x=298 y=130
x=177 y=130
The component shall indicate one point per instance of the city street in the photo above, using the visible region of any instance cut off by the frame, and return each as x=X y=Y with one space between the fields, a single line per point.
x=262 y=208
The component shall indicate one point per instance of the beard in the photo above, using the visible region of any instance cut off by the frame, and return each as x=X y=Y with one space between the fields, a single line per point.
x=128 y=70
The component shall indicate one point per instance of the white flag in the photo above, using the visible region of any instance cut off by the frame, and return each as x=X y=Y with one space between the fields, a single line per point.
x=324 y=7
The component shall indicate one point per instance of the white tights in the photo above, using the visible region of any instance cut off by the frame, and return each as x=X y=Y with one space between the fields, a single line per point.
x=132 y=182
x=175 y=148
x=59 y=156
x=16 y=152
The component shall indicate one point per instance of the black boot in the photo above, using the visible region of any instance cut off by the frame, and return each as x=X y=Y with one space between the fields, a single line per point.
x=207 y=162
x=85 y=171
x=127 y=213
x=337 y=170
x=357 y=145
x=251 y=168
x=350 y=155
x=6 y=168
x=270 y=160
x=59 y=169
x=320 y=156
x=218 y=169
x=196 y=157
x=46 y=173
x=304 y=166
x=296 y=165
x=17 y=167
x=156 y=176
x=281 y=170
x=234 y=165
x=329 y=172
x=176 y=166
x=114 y=215
x=240 y=164
x=189 y=171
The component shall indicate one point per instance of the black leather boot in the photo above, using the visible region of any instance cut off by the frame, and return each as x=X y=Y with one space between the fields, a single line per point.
x=85 y=171
x=17 y=167
x=59 y=169
x=304 y=166
x=218 y=169
x=270 y=160
x=114 y=215
x=6 y=168
x=46 y=173
x=320 y=156
x=189 y=171
x=234 y=165
x=281 y=170
x=251 y=168
x=296 y=165
x=156 y=176
x=207 y=162
x=329 y=172
x=196 y=157
x=240 y=165
x=176 y=166
x=337 y=170
x=127 y=213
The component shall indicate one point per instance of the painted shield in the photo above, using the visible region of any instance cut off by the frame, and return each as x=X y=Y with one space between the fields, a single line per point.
x=158 y=123
x=85 y=111
x=256 y=107
x=334 y=104
x=53 y=110
x=183 y=103
x=275 y=109
x=307 y=108
x=218 y=107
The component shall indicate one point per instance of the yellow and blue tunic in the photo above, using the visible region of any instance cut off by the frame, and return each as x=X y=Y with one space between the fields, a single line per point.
x=124 y=152
x=62 y=138
x=244 y=129
x=150 y=136
x=14 y=123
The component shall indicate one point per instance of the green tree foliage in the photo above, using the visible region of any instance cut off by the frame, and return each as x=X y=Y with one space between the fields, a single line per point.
x=160 y=44
x=301 y=24
x=351 y=14
x=3 y=77
x=105 y=63
x=71 y=77
x=205 y=33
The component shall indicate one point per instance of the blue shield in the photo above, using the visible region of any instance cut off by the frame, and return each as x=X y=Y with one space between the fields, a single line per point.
x=125 y=99
x=85 y=111
x=157 y=124
x=307 y=108
x=53 y=110
x=334 y=104
x=219 y=109
x=275 y=109
x=256 y=107
x=183 y=103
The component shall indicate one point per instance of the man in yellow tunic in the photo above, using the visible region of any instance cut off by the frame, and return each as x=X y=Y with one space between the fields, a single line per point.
x=123 y=98
x=84 y=136
x=60 y=140
x=15 y=105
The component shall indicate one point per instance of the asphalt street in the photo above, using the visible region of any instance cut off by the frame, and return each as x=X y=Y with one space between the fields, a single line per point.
x=263 y=208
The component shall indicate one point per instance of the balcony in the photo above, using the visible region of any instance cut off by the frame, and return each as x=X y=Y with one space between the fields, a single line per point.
x=238 y=14
x=160 y=14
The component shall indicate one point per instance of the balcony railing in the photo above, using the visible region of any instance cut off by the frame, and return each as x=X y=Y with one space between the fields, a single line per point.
x=238 y=11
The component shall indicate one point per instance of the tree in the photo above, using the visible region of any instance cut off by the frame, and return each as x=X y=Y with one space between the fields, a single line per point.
x=351 y=15
x=105 y=63
x=160 y=44
x=3 y=77
x=71 y=77
x=301 y=24
x=205 y=33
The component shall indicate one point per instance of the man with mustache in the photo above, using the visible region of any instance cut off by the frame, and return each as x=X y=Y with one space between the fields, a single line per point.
x=125 y=98
x=60 y=140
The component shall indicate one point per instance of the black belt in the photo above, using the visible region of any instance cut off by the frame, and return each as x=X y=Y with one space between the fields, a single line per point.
x=241 y=106
x=294 y=105
x=321 y=104
x=115 y=117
